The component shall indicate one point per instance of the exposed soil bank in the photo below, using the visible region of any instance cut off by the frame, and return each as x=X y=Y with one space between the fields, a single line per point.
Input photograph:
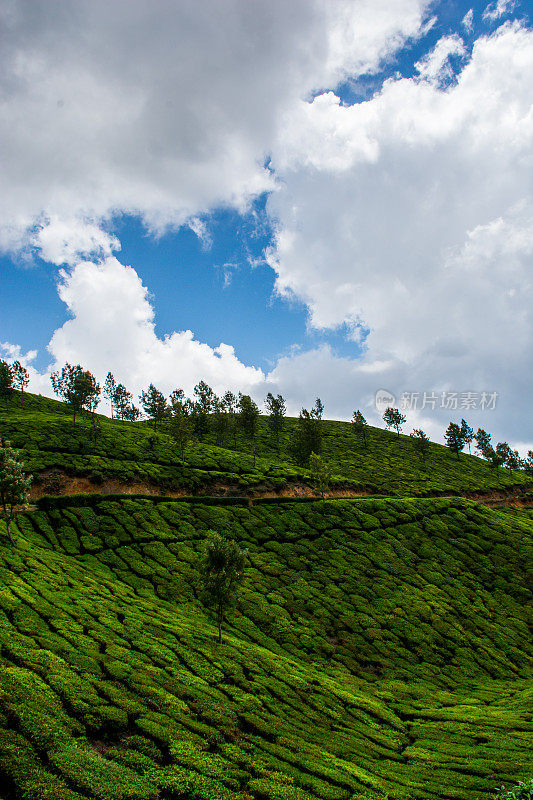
x=59 y=483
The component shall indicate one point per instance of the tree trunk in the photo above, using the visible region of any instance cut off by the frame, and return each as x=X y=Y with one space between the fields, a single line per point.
x=22 y=397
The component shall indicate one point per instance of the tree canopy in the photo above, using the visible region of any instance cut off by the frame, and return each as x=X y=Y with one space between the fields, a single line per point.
x=222 y=572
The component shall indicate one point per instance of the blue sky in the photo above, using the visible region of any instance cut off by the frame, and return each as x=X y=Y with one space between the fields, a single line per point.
x=301 y=257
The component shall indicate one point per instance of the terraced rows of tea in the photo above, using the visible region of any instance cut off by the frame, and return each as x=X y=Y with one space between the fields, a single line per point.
x=378 y=648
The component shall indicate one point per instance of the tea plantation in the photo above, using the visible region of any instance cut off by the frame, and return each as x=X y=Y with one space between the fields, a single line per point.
x=44 y=433
x=380 y=647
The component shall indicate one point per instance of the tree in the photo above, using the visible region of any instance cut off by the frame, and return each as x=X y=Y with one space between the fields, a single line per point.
x=359 y=427
x=321 y=474
x=222 y=571
x=220 y=419
x=307 y=437
x=248 y=417
x=493 y=456
x=230 y=405
x=276 y=415
x=180 y=423
x=132 y=413
x=393 y=418
x=21 y=378
x=14 y=485
x=528 y=462
x=454 y=438
x=203 y=407
x=78 y=388
x=483 y=444
x=122 y=400
x=109 y=390
x=6 y=380
x=421 y=443
x=506 y=455
x=513 y=460
x=154 y=404
x=318 y=409
x=467 y=433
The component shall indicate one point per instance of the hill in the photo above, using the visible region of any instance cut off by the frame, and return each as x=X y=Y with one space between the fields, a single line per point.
x=55 y=451
x=381 y=646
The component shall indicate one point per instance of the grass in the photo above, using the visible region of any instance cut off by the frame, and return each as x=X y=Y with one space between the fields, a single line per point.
x=380 y=647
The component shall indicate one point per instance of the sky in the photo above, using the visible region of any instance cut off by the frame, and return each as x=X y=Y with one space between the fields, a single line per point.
x=319 y=198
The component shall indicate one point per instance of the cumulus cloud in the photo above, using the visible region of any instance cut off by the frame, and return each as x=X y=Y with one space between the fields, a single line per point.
x=111 y=108
x=112 y=328
x=67 y=241
x=409 y=216
x=435 y=67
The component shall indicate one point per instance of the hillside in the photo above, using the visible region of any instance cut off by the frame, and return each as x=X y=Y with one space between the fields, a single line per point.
x=52 y=449
x=381 y=646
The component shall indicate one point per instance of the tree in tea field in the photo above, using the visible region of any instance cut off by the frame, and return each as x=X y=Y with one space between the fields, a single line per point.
x=230 y=404
x=393 y=418
x=6 y=380
x=513 y=460
x=132 y=413
x=21 y=378
x=14 y=485
x=203 y=407
x=276 y=415
x=420 y=443
x=77 y=387
x=360 y=427
x=121 y=401
x=222 y=572
x=494 y=456
x=181 y=428
x=467 y=433
x=507 y=456
x=321 y=475
x=318 y=409
x=154 y=404
x=307 y=437
x=483 y=442
x=109 y=390
x=248 y=418
x=454 y=438
x=219 y=420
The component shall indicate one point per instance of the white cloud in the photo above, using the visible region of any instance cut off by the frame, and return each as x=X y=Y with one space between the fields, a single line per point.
x=111 y=108
x=435 y=66
x=411 y=215
x=468 y=21
x=112 y=328
x=66 y=241
x=13 y=352
x=498 y=9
